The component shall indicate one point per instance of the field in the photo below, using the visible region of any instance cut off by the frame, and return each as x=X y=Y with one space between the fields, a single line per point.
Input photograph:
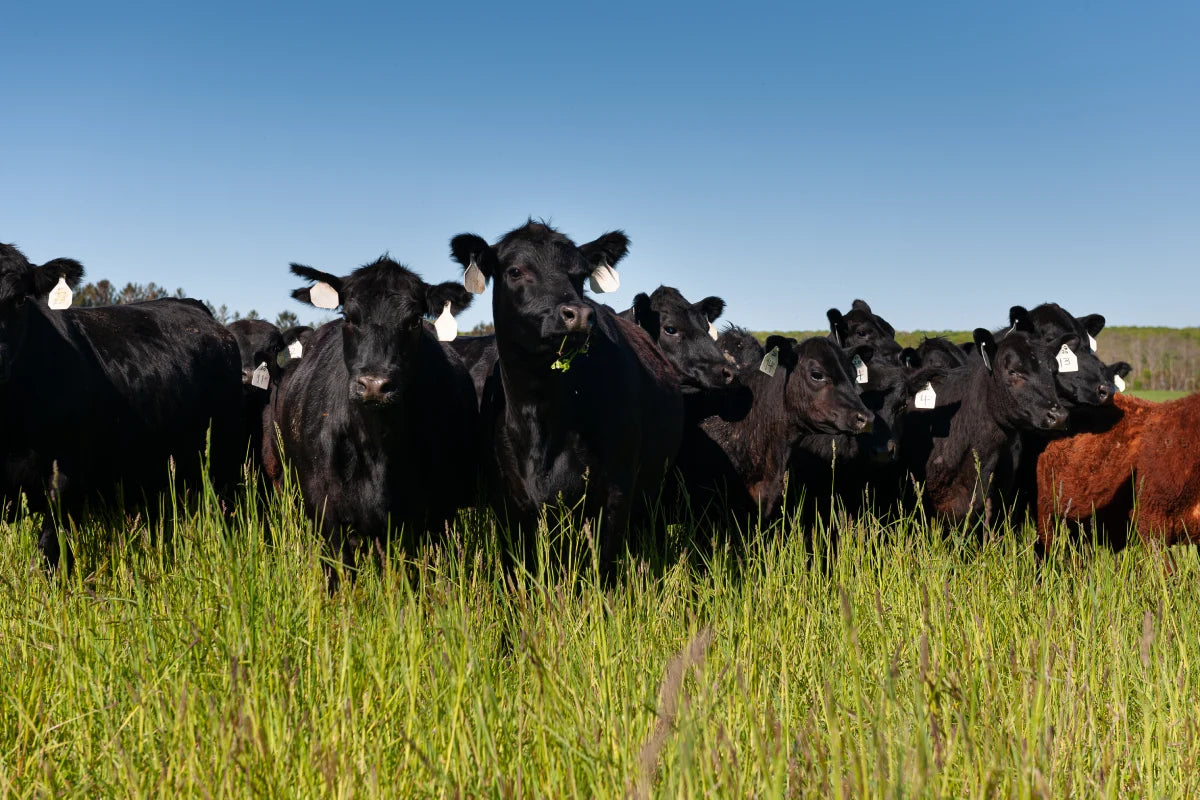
x=916 y=662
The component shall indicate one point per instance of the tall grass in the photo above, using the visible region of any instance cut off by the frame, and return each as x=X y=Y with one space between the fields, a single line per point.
x=212 y=662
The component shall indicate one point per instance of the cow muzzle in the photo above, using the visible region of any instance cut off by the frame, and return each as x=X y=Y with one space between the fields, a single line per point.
x=575 y=318
x=373 y=390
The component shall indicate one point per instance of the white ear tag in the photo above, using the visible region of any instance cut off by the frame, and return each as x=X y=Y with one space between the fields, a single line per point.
x=1067 y=362
x=712 y=332
x=860 y=370
x=926 y=398
x=1092 y=342
x=322 y=295
x=1119 y=382
x=60 y=295
x=604 y=279
x=261 y=378
x=770 y=362
x=473 y=278
x=296 y=349
x=987 y=362
x=445 y=325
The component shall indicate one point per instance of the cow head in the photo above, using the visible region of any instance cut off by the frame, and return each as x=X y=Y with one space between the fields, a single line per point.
x=259 y=343
x=935 y=351
x=684 y=332
x=1083 y=380
x=820 y=394
x=23 y=285
x=537 y=277
x=862 y=326
x=1025 y=381
x=886 y=394
x=383 y=306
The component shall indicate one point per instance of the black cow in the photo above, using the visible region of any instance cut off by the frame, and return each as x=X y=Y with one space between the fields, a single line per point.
x=860 y=325
x=581 y=403
x=740 y=348
x=937 y=351
x=479 y=355
x=981 y=409
x=100 y=401
x=260 y=344
x=685 y=334
x=378 y=417
x=738 y=442
x=296 y=339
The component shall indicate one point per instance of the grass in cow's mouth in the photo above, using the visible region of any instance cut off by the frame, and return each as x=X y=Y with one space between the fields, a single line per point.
x=566 y=356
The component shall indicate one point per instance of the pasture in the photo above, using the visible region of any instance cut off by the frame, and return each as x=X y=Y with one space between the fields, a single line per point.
x=916 y=662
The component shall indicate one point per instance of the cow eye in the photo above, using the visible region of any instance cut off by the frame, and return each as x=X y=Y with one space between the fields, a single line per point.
x=669 y=330
x=514 y=272
x=817 y=375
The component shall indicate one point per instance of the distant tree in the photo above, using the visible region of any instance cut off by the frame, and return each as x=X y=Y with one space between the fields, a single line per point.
x=482 y=329
x=103 y=293
x=285 y=320
x=220 y=313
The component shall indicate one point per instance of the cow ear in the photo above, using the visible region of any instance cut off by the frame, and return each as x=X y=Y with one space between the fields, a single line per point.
x=711 y=308
x=910 y=358
x=985 y=343
x=324 y=298
x=608 y=249
x=915 y=381
x=47 y=276
x=788 y=357
x=1092 y=323
x=1018 y=318
x=837 y=325
x=477 y=259
x=861 y=305
x=451 y=292
x=864 y=351
x=644 y=315
x=1122 y=368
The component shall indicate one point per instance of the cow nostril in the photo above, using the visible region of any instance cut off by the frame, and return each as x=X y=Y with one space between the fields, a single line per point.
x=370 y=386
x=862 y=422
x=568 y=314
x=726 y=375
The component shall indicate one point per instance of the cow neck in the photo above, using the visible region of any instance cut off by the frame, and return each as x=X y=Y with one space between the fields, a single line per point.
x=984 y=410
x=766 y=435
x=45 y=346
x=526 y=378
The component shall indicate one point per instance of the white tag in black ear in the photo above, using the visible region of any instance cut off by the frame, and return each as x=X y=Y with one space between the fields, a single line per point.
x=261 y=378
x=987 y=362
x=926 y=398
x=473 y=278
x=445 y=325
x=604 y=279
x=860 y=370
x=712 y=332
x=1119 y=382
x=322 y=295
x=60 y=295
x=770 y=362
x=1067 y=362
x=296 y=349
x=1092 y=342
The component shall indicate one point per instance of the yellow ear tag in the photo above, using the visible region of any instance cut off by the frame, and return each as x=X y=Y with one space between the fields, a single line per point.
x=473 y=278
x=322 y=295
x=445 y=325
x=60 y=295
x=712 y=331
x=261 y=378
x=604 y=279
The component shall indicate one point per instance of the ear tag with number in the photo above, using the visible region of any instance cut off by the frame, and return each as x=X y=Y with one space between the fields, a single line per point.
x=60 y=295
x=296 y=349
x=261 y=378
x=1092 y=342
x=604 y=279
x=926 y=398
x=712 y=332
x=770 y=362
x=322 y=295
x=473 y=278
x=987 y=362
x=1119 y=382
x=445 y=325
x=860 y=370
x=1067 y=362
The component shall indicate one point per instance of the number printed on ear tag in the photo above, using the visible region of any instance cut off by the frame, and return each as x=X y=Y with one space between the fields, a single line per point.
x=860 y=370
x=770 y=362
x=60 y=295
x=926 y=398
x=261 y=378
x=1067 y=362
x=322 y=295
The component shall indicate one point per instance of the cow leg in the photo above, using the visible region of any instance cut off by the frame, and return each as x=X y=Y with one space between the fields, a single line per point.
x=613 y=533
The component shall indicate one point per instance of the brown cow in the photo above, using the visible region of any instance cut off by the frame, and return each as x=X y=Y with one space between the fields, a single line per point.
x=1135 y=467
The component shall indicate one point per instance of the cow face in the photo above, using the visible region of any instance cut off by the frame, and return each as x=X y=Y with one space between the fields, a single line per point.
x=821 y=395
x=1018 y=366
x=259 y=343
x=886 y=394
x=21 y=286
x=537 y=277
x=383 y=309
x=1083 y=381
x=684 y=332
x=862 y=326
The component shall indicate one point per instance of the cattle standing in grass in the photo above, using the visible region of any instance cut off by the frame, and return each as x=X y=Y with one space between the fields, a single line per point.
x=685 y=334
x=260 y=344
x=378 y=417
x=581 y=403
x=859 y=326
x=981 y=409
x=738 y=442
x=101 y=400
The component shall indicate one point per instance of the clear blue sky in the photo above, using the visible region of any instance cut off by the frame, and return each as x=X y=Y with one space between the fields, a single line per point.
x=942 y=160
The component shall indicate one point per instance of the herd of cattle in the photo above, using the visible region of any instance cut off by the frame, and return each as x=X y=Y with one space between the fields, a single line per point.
x=392 y=423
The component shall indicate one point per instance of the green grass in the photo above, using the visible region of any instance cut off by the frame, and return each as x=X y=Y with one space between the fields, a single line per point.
x=217 y=665
x=1157 y=395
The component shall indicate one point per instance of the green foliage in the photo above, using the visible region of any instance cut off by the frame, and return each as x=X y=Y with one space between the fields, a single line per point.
x=104 y=293
x=914 y=663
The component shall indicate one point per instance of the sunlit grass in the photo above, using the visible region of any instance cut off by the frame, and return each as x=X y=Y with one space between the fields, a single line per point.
x=214 y=663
